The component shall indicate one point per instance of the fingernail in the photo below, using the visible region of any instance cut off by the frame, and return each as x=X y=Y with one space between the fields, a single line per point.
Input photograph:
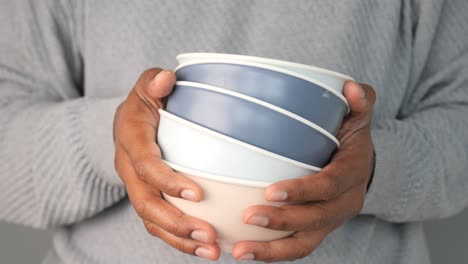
x=200 y=235
x=258 y=220
x=248 y=256
x=188 y=194
x=159 y=76
x=203 y=252
x=278 y=196
x=155 y=81
x=363 y=92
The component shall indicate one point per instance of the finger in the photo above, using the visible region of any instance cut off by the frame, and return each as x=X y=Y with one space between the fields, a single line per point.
x=145 y=97
x=162 y=84
x=145 y=156
x=135 y=132
x=150 y=206
x=297 y=246
x=188 y=246
x=344 y=172
x=360 y=97
x=309 y=216
x=154 y=85
x=150 y=168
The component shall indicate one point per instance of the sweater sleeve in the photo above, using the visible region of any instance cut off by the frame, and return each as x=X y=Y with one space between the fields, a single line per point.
x=421 y=168
x=56 y=147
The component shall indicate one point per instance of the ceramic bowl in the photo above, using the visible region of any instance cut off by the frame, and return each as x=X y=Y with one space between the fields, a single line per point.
x=251 y=122
x=198 y=148
x=225 y=200
x=333 y=79
x=303 y=96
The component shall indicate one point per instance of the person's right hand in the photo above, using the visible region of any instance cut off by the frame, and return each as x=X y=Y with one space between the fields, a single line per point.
x=139 y=164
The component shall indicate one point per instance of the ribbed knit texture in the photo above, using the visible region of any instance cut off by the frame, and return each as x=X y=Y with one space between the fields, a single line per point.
x=66 y=65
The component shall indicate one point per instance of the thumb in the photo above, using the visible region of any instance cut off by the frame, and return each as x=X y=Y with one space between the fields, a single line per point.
x=161 y=85
x=360 y=97
x=153 y=85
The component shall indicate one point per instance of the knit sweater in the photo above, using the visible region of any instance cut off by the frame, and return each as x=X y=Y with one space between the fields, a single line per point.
x=66 y=65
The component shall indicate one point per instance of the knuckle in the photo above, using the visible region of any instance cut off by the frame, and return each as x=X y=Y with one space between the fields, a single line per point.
x=122 y=125
x=283 y=224
x=116 y=121
x=142 y=169
x=167 y=186
x=177 y=227
x=266 y=253
x=359 y=205
x=301 y=194
x=319 y=220
x=331 y=187
x=141 y=208
x=286 y=218
x=182 y=245
x=151 y=228
x=305 y=246
x=120 y=164
x=118 y=112
x=357 y=209
x=301 y=190
x=302 y=252
x=117 y=164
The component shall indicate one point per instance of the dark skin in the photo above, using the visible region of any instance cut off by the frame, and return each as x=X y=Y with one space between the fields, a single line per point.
x=327 y=199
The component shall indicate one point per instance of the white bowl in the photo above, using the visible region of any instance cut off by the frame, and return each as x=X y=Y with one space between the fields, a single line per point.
x=195 y=147
x=225 y=200
x=333 y=79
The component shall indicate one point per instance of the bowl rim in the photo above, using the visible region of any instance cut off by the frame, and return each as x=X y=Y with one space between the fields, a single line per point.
x=222 y=179
x=271 y=68
x=203 y=55
x=262 y=103
x=228 y=139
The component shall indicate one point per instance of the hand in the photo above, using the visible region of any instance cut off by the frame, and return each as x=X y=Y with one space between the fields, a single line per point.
x=326 y=199
x=145 y=175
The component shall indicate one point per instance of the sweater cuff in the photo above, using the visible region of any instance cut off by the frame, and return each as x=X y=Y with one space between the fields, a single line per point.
x=97 y=123
x=59 y=161
x=388 y=188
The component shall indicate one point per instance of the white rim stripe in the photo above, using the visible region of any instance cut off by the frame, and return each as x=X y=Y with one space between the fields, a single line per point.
x=222 y=179
x=238 y=142
x=262 y=103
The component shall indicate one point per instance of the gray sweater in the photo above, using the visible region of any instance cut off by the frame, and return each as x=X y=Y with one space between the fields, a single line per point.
x=65 y=66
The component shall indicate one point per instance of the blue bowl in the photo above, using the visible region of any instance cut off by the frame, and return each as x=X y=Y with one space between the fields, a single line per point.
x=309 y=100
x=251 y=123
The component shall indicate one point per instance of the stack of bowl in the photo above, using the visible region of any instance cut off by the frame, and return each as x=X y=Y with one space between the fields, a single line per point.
x=235 y=124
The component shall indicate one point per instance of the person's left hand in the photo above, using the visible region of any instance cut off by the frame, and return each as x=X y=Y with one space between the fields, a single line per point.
x=324 y=201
